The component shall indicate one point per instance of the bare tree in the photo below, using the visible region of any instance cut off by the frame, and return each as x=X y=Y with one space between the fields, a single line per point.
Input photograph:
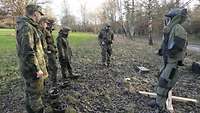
x=130 y=17
x=150 y=19
x=108 y=12
x=84 y=14
x=68 y=19
x=121 y=16
x=17 y=7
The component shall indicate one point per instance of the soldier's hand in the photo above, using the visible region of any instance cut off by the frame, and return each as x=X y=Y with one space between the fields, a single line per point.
x=39 y=74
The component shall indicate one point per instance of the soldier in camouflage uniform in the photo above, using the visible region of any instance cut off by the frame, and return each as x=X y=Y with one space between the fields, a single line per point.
x=42 y=28
x=65 y=53
x=31 y=57
x=50 y=50
x=173 y=50
x=105 y=38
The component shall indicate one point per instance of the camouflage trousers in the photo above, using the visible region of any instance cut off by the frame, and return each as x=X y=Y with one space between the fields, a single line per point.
x=65 y=66
x=52 y=67
x=167 y=80
x=33 y=95
x=106 y=52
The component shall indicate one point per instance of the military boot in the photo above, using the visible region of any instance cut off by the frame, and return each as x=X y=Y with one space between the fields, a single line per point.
x=153 y=104
x=41 y=111
x=54 y=83
x=158 y=108
x=73 y=76
x=29 y=109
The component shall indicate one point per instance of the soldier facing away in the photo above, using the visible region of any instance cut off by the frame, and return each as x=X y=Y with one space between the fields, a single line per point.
x=65 y=53
x=50 y=50
x=31 y=58
x=105 y=38
x=173 y=50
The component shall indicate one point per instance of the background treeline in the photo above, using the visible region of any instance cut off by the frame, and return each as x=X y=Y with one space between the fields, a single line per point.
x=129 y=17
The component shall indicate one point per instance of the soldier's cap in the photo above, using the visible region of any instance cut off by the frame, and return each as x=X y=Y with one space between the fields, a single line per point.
x=177 y=11
x=65 y=29
x=51 y=20
x=44 y=19
x=34 y=7
x=107 y=25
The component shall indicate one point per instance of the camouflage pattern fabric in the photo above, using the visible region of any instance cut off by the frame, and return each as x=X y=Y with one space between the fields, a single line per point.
x=31 y=60
x=50 y=52
x=105 y=40
x=64 y=54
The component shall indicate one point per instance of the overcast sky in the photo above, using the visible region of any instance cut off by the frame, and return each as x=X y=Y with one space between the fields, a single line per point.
x=74 y=6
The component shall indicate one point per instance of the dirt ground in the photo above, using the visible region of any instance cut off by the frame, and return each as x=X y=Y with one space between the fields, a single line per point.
x=103 y=90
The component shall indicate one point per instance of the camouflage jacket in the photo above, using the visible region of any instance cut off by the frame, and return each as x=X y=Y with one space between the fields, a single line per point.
x=29 y=47
x=49 y=42
x=64 y=50
x=105 y=36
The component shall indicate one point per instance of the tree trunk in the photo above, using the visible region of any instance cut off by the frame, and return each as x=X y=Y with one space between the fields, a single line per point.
x=150 y=28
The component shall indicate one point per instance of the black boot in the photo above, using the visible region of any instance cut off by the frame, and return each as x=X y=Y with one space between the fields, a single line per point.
x=153 y=104
x=54 y=83
x=40 y=110
x=73 y=76
x=158 y=108
x=28 y=109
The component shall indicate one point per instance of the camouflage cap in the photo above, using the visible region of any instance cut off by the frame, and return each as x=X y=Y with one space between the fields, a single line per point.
x=66 y=29
x=107 y=25
x=33 y=8
x=51 y=20
x=44 y=19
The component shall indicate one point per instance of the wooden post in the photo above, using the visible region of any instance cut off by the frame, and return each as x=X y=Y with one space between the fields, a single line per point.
x=169 y=102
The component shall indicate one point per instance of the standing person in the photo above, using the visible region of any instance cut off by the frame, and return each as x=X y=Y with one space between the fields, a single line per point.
x=173 y=50
x=50 y=50
x=65 y=53
x=105 y=38
x=42 y=27
x=31 y=57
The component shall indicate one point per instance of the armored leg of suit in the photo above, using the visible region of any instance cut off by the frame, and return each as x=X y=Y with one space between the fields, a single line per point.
x=167 y=80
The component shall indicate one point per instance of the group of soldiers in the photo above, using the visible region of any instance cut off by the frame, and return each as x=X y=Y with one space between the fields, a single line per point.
x=37 y=54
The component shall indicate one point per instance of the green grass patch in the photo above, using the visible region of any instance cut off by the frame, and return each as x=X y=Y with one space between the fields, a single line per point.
x=77 y=38
x=8 y=40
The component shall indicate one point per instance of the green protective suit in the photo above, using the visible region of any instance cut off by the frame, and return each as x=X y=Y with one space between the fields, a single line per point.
x=174 y=50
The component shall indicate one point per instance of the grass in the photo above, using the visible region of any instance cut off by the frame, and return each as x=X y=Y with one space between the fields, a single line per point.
x=8 y=42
